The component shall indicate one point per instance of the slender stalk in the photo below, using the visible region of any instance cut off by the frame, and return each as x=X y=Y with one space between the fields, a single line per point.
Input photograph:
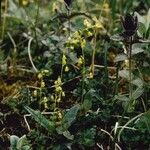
x=93 y=55
x=35 y=24
x=130 y=70
x=69 y=22
x=105 y=63
x=0 y=13
x=129 y=49
x=14 y=53
x=117 y=80
x=83 y=77
x=4 y=20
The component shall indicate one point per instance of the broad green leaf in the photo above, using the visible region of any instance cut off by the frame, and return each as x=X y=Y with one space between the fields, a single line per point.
x=23 y=143
x=137 y=50
x=70 y=116
x=137 y=93
x=39 y=118
x=87 y=103
x=143 y=123
x=120 y=57
x=116 y=37
x=121 y=97
x=26 y=147
x=145 y=20
x=16 y=12
x=124 y=74
x=147 y=120
x=13 y=142
x=141 y=29
x=138 y=82
x=68 y=135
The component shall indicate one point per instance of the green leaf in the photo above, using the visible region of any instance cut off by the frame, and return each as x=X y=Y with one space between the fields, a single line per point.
x=87 y=137
x=39 y=118
x=144 y=122
x=142 y=28
x=137 y=93
x=23 y=143
x=68 y=135
x=124 y=74
x=70 y=116
x=120 y=57
x=117 y=37
x=137 y=50
x=138 y=82
x=13 y=142
x=87 y=103
x=121 y=97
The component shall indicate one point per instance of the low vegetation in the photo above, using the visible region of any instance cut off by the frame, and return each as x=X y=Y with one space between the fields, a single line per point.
x=74 y=75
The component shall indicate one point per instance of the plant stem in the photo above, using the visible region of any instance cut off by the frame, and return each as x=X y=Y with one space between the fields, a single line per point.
x=129 y=48
x=130 y=70
x=35 y=25
x=0 y=14
x=93 y=55
x=83 y=77
x=3 y=23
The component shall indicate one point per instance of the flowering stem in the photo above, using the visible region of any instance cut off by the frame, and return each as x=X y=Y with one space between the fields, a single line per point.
x=3 y=23
x=93 y=55
x=83 y=77
x=130 y=70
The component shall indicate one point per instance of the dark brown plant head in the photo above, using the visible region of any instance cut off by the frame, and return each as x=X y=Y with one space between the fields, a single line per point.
x=130 y=24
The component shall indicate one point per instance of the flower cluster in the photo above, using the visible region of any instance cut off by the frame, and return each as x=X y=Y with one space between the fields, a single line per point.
x=41 y=75
x=80 y=61
x=64 y=63
x=58 y=90
x=92 y=25
x=75 y=41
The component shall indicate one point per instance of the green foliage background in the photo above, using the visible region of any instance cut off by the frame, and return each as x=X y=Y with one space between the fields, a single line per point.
x=65 y=75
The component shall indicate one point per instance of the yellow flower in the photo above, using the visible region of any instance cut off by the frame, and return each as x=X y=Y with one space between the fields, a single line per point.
x=83 y=43
x=126 y=62
x=54 y=7
x=45 y=106
x=35 y=93
x=59 y=81
x=58 y=89
x=75 y=41
x=45 y=99
x=80 y=61
x=52 y=97
x=89 y=34
x=72 y=47
x=24 y=2
x=106 y=7
x=59 y=115
x=58 y=100
x=45 y=71
x=66 y=69
x=63 y=94
x=76 y=34
x=40 y=75
x=42 y=84
x=64 y=62
x=87 y=23
x=90 y=75
x=98 y=23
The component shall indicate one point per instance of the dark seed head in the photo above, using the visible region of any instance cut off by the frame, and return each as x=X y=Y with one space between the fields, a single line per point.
x=130 y=24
